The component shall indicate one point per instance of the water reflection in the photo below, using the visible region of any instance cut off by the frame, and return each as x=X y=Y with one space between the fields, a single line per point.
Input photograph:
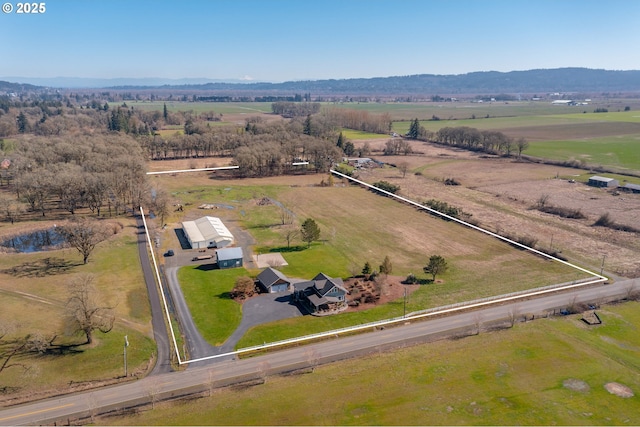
x=41 y=240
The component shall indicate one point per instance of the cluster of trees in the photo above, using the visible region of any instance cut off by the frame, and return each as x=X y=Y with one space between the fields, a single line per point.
x=396 y=147
x=295 y=109
x=358 y=119
x=270 y=149
x=486 y=141
x=73 y=172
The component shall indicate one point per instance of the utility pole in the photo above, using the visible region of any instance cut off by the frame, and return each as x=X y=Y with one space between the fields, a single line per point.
x=602 y=266
x=126 y=344
x=405 y=303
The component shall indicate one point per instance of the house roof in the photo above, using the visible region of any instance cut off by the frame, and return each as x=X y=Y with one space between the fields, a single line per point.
x=324 y=283
x=206 y=229
x=270 y=276
x=228 y=253
x=635 y=187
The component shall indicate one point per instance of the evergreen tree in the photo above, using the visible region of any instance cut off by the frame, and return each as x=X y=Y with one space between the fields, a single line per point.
x=340 y=143
x=437 y=265
x=23 y=123
x=367 y=268
x=386 y=267
x=307 y=126
x=349 y=148
x=165 y=112
x=414 y=129
x=310 y=231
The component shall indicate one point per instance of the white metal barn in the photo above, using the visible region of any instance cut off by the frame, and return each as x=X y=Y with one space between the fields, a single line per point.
x=207 y=232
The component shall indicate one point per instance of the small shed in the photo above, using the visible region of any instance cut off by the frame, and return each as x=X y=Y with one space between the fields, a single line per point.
x=600 y=181
x=229 y=257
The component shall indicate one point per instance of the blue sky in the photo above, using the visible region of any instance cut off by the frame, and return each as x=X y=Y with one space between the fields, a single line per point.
x=280 y=40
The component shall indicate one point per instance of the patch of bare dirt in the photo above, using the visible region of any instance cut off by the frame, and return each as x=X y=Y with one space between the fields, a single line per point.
x=576 y=385
x=619 y=390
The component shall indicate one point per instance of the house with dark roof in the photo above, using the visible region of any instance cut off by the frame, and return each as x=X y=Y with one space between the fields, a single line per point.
x=271 y=280
x=322 y=294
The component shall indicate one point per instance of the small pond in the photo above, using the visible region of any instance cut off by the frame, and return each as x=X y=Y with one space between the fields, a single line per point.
x=35 y=241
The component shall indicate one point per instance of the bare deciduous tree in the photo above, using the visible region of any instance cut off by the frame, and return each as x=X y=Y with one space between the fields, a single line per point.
x=84 y=234
x=404 y=168
x=290 y=233
x=85 y=313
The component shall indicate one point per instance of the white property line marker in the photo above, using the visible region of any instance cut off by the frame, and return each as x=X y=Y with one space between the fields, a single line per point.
x=195 y=170
x=336 y=332
x=164 y=300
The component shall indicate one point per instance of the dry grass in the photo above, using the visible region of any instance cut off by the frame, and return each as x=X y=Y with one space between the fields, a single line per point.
x=500 y=193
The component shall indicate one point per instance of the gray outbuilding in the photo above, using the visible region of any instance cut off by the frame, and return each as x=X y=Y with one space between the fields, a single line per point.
x=229 y=257
x=600 y=181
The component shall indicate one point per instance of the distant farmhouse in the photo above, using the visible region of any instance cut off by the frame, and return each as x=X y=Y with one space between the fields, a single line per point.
x=599 y=181
x=207 y=232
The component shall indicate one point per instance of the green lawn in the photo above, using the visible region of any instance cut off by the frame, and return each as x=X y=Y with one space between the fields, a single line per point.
x=350 y=219
x=207 y=294
x=509 y=377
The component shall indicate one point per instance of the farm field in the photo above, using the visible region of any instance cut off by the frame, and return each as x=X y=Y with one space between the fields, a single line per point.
x=359 y=226
x=502 y=194
x=498 y=378
x=199 y=107
x=597 y=139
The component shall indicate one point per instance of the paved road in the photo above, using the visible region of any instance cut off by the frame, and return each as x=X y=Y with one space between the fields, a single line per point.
x=160 y=333
x=227 y=372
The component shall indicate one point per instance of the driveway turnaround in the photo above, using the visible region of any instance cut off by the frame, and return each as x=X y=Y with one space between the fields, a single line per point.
x=263 y=308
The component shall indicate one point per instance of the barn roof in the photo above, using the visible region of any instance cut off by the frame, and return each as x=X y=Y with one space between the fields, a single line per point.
x=228 y=253
x=207 y=229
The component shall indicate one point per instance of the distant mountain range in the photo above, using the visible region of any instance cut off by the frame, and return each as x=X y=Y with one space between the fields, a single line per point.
x=487 y=82
x=96 y=83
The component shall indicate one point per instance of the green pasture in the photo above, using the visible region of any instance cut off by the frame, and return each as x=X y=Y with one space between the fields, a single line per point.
x=356 y=226
x=509 y=377
x=406 y=111
x=33 y=295
x=620 y=151
x=517 y=120
x=358 y=134
x=200 y=107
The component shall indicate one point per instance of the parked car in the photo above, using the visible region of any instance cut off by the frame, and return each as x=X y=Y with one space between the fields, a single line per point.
x=169 y=253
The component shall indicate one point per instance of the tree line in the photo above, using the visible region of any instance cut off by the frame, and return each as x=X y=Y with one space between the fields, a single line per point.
x=486 y=141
